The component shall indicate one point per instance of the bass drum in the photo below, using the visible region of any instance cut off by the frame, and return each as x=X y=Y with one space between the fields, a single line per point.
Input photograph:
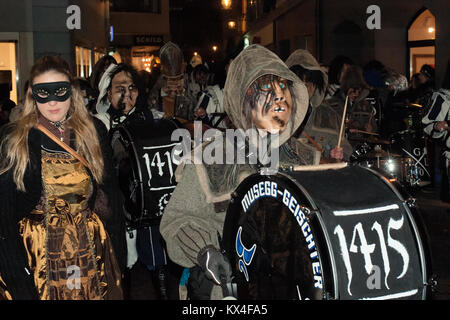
x=341 y=233
x=144 y=158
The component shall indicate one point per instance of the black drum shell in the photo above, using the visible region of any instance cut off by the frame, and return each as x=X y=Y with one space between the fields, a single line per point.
x=134 y=139
x=324 y=192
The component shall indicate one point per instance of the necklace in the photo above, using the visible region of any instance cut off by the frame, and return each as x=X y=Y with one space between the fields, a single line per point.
x=59 y=125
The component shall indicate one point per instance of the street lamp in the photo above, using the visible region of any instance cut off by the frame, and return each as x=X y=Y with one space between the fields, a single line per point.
x=231 y=24
x=226 y=4
x=214 y=48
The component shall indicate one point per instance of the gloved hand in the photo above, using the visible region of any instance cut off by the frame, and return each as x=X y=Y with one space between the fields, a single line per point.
x=215 y=265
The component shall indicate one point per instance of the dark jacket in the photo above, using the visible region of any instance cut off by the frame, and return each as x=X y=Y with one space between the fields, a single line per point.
x=15 y=205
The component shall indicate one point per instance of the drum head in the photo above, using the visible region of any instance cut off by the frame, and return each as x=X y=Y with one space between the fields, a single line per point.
x=146 y=167
x=344 y=233
x=266 y=246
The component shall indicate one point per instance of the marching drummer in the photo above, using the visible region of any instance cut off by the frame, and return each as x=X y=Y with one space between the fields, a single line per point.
x=350 y=101
x=260 y=94
x=121 y=102
x=169 y=97
x=323 y=124
x=119 y=94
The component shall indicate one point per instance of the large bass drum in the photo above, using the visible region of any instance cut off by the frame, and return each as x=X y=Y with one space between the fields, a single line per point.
x=341 y=233
x=144 y=158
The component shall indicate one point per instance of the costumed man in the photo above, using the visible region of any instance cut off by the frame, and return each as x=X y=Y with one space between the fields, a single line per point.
x=436 y=121
x=426 y=87
x=260 y=94
x=323 y=123
x=121 y=96
x=169 y=97
x=360 y=122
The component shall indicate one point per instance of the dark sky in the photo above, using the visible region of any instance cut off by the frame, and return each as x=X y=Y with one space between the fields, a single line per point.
x=196 y=24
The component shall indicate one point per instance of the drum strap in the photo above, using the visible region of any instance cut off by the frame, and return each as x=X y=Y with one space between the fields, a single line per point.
x=62 y=144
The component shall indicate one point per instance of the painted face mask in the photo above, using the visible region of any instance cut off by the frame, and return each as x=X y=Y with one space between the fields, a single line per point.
x=51 y=91
x=174 y=86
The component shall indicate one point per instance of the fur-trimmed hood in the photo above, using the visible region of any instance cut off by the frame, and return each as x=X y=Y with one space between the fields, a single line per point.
x=306 y=60
x=253 y=62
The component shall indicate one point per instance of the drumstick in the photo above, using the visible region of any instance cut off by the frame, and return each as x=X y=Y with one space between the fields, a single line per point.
x=342 y=123
x=319 y=148
x=366 y=132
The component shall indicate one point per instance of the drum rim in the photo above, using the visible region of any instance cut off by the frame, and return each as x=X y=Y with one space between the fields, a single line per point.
x=423 y=251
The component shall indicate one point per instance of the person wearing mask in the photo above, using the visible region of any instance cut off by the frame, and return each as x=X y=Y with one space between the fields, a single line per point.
x=337 y=69
x=360 y=115
x=170 y=97
x=62 y=224
x=262 y=95
x=125 y=105
x=322 y=125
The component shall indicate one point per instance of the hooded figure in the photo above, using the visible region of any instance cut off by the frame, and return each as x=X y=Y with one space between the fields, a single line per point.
x=192 y=222
x=169 y=95
x=121 y=94
x=306 y=60
x=360 y=114
x=323 y=124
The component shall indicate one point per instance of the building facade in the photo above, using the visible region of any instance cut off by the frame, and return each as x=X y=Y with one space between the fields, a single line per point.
x=76 y=30
x=139 y=30
x=402 y=34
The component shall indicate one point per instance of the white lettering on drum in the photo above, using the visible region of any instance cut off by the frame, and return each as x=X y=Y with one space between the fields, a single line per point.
x=367 y=249
x=270 y=189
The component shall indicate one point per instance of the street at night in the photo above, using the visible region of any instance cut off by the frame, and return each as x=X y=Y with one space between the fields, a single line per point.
x=232 y=150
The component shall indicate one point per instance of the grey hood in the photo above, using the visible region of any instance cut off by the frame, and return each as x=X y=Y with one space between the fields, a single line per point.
x=103 y=85
x=306 y=60
x=252 y=63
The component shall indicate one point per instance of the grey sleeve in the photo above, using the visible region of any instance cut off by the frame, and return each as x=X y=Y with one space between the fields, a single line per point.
x=189 y=223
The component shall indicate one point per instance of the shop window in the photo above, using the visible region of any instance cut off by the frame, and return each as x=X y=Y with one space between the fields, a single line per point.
x=8 y=72
x=83 y=57
x=421 y=41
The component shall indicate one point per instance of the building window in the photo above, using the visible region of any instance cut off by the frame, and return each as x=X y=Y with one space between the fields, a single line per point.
x=421 y=41
x=8 y=70
x=97 y=56
x=83 y=57
x=149 y=6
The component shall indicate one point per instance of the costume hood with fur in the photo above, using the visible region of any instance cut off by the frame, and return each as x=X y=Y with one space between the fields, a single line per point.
x=306 y=60
x=253 y=62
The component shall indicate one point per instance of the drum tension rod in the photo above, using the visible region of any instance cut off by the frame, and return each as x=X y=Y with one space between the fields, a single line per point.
x=308 y=212
x=432 y=282
x=327 y=296
x=410 y=202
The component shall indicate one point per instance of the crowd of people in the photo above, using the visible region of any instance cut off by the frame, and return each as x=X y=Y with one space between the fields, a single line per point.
x=65 y=198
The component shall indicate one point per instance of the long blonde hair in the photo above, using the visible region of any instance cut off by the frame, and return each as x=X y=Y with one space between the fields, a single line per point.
x=14 y=146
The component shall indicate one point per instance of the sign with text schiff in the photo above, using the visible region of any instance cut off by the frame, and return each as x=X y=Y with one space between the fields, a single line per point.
x=152 y=40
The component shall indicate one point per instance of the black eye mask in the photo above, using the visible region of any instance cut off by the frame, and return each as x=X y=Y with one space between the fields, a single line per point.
x=52 y=91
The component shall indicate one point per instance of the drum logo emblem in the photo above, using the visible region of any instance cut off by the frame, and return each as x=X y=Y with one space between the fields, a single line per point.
x=245 y=255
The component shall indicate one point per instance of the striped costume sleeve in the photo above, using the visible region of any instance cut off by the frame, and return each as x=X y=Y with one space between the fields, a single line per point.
x=438 y=112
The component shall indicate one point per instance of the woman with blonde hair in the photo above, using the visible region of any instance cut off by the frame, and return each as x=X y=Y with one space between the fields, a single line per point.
x=61 y=228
